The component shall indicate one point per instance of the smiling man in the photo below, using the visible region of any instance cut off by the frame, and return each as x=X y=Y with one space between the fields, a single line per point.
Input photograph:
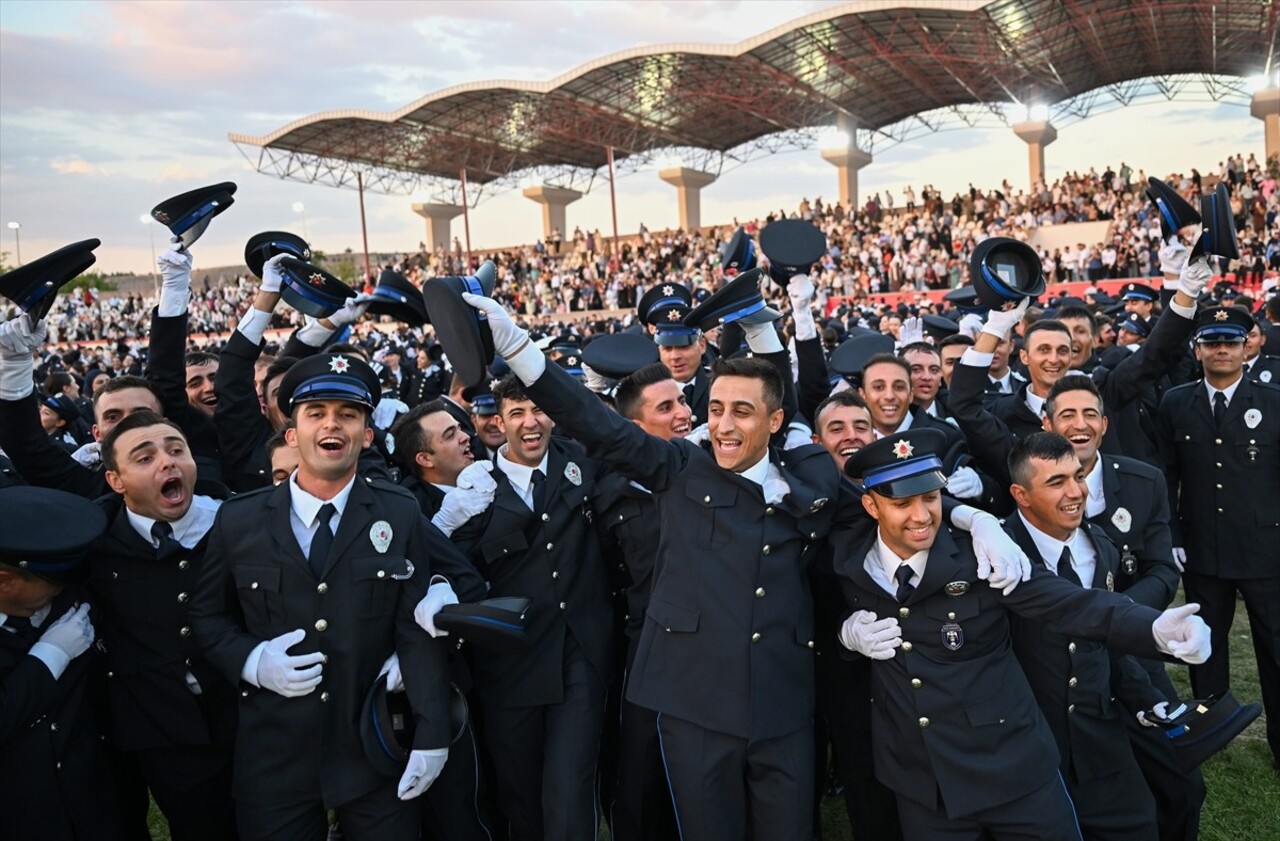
x=434 y=449
x=202 y=368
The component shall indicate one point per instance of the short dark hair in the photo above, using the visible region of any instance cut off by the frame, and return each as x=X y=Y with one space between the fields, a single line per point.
x=1044 y=324
x=277 y=439
x=1042 y=446
x=199 y=357
x=848 y=397
x=630 y=394
x=1071 y=382
x=277 y=368
x=1079 y=313
x=137 y=420
x=57 y=382
x=756 y=369
x=955 y=339
x=409 y=435
x=918 y=347
x=886 y=359
x=510 y=389
x=125 y=383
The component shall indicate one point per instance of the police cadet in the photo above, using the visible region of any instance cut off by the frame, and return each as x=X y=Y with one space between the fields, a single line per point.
x=332 y=566
x=488 y=435
x=169 y=707
x=431 y=445
x=55 y=782
x=680 y=347
x=1220 y=440
x=956 y=730
x=1258 y=367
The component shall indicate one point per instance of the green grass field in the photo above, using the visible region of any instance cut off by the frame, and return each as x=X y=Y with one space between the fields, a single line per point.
x=1243 y=802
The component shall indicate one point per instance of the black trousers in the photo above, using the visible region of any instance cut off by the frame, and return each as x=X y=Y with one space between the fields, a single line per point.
x=1115 y=807
x=1217 y=600
x=1178 y=796
x=1045 y=814
x=192 y=787
x=458 y=805
x=728 y=787
x=544 y=758
x=376 y=816
x=641 y=809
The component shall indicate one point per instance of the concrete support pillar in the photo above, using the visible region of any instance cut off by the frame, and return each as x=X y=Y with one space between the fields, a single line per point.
x=688 y=184
x=847 y=162
x=1037 y=134
x=438 y=218
x=1266 y=107
x=553 y=200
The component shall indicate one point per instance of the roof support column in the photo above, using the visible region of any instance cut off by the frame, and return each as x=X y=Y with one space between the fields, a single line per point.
x=843 y=153
x=438 y=218
x=1266 y=107
x=688 y=184
x=1037 y=134
x=553 y=200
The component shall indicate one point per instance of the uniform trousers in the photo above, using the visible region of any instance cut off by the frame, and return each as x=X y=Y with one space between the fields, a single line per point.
x=457 y=807
x=544 y=757
x=726 y=786
x=376 y=816
x=870 y=805
x=641 y=808
x=192 y=787
x=1115 y=807
x=1046 y=814
x=1178 y=795
x=1217 y=600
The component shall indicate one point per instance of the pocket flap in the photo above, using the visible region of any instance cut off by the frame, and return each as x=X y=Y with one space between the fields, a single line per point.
x=993 y=710
x=672 y=617
x=256 y=577
x=497 y=548
x=381 y=567
x=953 y=610
x=708 y=494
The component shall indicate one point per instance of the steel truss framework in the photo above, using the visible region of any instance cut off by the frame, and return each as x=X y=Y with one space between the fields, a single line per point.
x=893 y=70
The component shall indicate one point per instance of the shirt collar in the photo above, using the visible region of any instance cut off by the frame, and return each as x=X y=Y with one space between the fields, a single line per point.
x=902 y=427
x=193 y=524
x=889 y=561
x=1035 y=403
x=1230 y=390
x=759 y=471
x=307 y=507
x=36 y=619
x=520 y=475
x=1093 y=482
x=1050 y=548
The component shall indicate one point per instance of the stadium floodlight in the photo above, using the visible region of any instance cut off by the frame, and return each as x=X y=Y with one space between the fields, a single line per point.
x=1037 y=112
x=833 y=138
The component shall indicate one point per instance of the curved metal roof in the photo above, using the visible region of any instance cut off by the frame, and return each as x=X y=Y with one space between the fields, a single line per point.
x=871 y=63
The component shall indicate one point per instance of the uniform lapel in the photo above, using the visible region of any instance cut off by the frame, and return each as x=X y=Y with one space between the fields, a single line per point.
x=361 y=509
x=281 y=526
x=1022 y=537
x=943 y=566
x=1200 y=400
x=1107 y=559
x=1110 y=486
x=1241 y=401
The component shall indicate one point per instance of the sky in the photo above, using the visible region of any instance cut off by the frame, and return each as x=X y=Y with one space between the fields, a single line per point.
x=107 y=108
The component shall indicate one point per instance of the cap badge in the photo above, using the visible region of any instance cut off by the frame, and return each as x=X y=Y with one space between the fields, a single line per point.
x=161 y=217
x=668 y=290
x=493 y=384
x=1122 y=519
x=956 y=588
x=903 y=449
x=673 y=315
x=1220 y=315
x=1252 y=418
x=380 y=536
x=573 y=361
x=339 y=364
x=316 y=279
x=573 y=473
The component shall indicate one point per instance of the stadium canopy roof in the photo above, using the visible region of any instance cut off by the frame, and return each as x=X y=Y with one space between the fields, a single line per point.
x=893 y=70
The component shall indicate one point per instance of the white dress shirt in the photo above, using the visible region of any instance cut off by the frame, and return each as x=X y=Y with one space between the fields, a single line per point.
x=882 y=565
x=1084 y=557
x=1097 y=501
x=189 y=529
x=520 y=476
x=767 y=475
x=1230 y=390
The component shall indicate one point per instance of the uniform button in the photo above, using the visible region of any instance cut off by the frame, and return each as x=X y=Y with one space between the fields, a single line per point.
x=54 y=727
x=58 y=765
x=1072 y=682
x=906 y=646
x=706 y=499
x=182 y=597
x=1071 y=708
x=1071 y=648
x=924 y=722
x=1219 y=510
x=188 y=661
x=759 y=592
x=550 y=546
x=1217 y=440
x=253 y=586
x=620 y=518
x=1219 y=487
x=769 y=511
x=111 y=674
x=322 y=588
x=546 y=518
x=322 y=625
x=1218 y=464
x=324 y=697
x=382 y=573
x=555 y=573
x=115 y=575
x=244 y=693
x=563 y=605
x=951 y=616
x=185 y=631
x=904 y=612
x=765 y=550
x=183 y=564
x=916 y=683
x=755 y=637
x=809 y=643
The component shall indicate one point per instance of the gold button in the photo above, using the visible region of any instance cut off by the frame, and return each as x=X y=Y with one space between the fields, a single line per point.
x=324 y=697
x=1072 y=682
x=322 y=588
x=759 y=592
x=1071 y=648
x=253 y=586
x=546 y=518
x=563 y=605
x=1218 y=464
x=183 y=564
x=951 y=616
x=765 y=550
x=924 y=722
x=755 y=637
x=113 y=575
x=706 y=499
x=1219 y=510
x=555 y=573
x=550 y=546
x=54 y=727
x=382 y=573
x=916 y=683
x=322 y=625
x=185 y=631
x=182 y=597
x=904 y=612
x=1217 y=440
x=906 y=646
x=769 y=511
x=1219 y=487
x=1071 y=708
x=809 y=643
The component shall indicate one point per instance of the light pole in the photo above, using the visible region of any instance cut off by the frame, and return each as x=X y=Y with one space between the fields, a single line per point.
x=299 y=207
x=155 y=280
x=17 y=241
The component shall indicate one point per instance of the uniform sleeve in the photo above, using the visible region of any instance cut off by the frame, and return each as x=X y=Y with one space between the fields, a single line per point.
x=448 y=560
x=241 y=427
x=989 y=439
x=811 y=384
x=1112 y=619
x=1169 y=457
x=27 y=691
x=1131 y=684
x=37 y=457
x=1161 y=352
x=423 y=660
x=1158 y=577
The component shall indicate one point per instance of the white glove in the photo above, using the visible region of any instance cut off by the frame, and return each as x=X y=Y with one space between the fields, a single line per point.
x=423 y=768
x=508 y=337
x=964 y=483
x=699 y=435
x=289 y=675
x=460 y=505
x=72 y=634
x=1000 y=323
x=1173 y=257
x=175 y=269
x=1182 y=634
x=352 y=311
x=391 y=668
x=1180 y=558
x=971 y=325
x=438 y=595
x=870 y=638
x=798 y=435
x=1155 y=715
x=800 y=291
x=1000 y=561
x=387 y=410
x=478 y=476
x=21 y=336
x=272 y=277
x=762 y=338
x=1195 y=276
x=912 y=331
x=90 y=455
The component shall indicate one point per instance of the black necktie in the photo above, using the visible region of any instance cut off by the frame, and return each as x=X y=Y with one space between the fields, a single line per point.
x=903 y=577
x=322 y=540
x=162 y=533
x=1066 y=569
x=21 y=625
x=1219 y=408
x=538 y=490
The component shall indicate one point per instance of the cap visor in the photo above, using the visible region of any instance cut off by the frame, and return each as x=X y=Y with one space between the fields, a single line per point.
x=912 y=485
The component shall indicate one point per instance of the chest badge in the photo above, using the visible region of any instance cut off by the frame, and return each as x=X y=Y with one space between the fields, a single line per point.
x=1265 y=377
x=1122 y=519
x=952 y=636
x=573 y=473
x=1252 y=418
x=380 y=536
x=956 y=588
x=1129 y=562
x=1111 y=581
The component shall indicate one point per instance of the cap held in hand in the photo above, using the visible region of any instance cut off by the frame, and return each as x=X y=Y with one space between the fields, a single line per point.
x=461 y=329
x=187 y=215
x=34 y=287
